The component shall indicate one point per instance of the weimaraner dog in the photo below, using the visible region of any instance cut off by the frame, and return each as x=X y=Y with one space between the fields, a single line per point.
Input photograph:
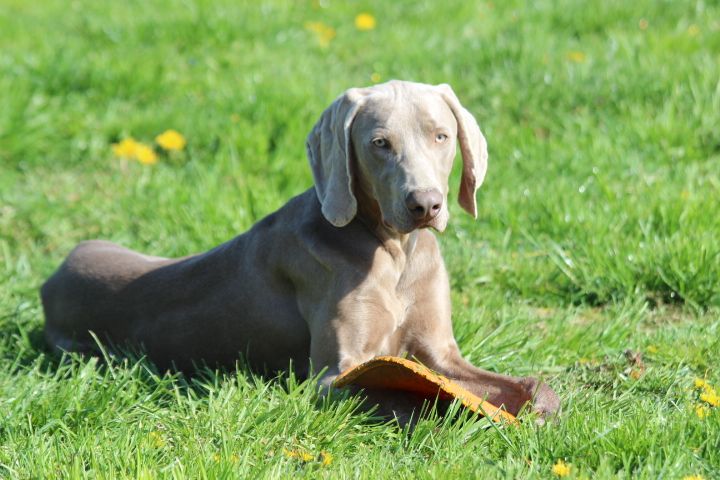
x=346 y=271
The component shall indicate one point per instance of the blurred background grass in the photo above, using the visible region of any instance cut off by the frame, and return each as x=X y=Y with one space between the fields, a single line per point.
x=602 y=123
x=598 y=223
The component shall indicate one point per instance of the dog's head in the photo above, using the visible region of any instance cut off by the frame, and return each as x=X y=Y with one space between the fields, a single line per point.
x=396 y=143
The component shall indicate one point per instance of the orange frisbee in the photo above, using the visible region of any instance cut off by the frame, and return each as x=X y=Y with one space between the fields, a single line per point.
x=395 y=373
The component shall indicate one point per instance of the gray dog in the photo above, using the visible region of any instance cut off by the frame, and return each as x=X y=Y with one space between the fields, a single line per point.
x=344 y=272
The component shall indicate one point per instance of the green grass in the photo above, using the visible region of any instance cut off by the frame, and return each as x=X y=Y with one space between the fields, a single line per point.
x=598 y=229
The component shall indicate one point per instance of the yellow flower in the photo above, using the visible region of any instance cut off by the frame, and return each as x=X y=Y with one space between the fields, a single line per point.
x=643 y=24
x=324 y=458
x=652 y=349
x=693 y=477
x=710 y=397
x=693 y=30
x=323 y=33
x=125 y=148
x=561 y=469
x=364 y=22
x=171 y=140
x=701 y=411
x=577 y=57
x=375 y=77
x=145 y=154
x=299 y=454
x=700 y=383
x=129 y=148
x=157 y=439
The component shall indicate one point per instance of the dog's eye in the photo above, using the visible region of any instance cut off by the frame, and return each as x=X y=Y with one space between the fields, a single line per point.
x=380 y=142
x=440 y=137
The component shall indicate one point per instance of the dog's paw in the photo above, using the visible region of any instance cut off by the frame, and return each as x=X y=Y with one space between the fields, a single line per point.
x=544 y=401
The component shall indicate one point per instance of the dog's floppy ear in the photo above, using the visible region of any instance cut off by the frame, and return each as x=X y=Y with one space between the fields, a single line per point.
x=329 y=151
x=473 y=148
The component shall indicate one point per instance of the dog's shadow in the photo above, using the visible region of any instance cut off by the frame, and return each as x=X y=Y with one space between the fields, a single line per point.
x=370 y=407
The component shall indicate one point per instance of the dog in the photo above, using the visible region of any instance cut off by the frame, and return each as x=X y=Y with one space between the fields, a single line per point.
x=346 y=271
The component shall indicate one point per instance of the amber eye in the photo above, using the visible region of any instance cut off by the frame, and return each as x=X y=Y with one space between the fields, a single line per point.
x=440 y=137
x=380 y=142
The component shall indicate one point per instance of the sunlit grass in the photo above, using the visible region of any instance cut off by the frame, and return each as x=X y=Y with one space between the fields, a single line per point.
x=597 y=230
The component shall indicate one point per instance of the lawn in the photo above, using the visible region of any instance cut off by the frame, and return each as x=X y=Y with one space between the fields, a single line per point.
x=594 y=262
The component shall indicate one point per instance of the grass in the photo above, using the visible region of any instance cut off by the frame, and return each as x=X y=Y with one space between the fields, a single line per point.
x=597 y=231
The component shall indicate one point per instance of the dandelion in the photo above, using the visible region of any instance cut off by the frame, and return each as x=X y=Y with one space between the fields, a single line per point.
x=365 y=22
x=157 y=440
x=693 y=30
x=325 y=458
x=298 y=454
x=125 y=148
x=561 y=469
x=145 y=154
x=652 y=349
x=131 y=149
x=171 y=140
x=701 y=411
x=323 y=33
x=576 y=57
x=709 y=389
x=693 y=477
x=375 y=77
x=707 y=392
x=643 y=24
x=711 y=398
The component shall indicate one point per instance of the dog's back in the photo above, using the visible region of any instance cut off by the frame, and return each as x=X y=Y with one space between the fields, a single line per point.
x=84 y=288
x=235 y=298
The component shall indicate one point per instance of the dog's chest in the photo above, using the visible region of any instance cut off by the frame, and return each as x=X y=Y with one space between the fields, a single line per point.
x=411 y=280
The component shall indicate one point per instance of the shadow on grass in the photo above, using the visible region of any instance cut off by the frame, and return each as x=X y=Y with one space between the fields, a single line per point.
x=403 y=409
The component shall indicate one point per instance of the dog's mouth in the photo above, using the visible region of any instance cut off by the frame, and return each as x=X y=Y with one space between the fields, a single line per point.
x=412 y=226
x=395 y=228
x=422 y=225
x=429 y=224
x=404 y=223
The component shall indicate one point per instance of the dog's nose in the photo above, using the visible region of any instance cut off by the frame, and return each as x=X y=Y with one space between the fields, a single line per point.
x=424 y=205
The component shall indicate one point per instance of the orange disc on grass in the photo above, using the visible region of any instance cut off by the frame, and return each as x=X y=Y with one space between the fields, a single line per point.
x=395 y=373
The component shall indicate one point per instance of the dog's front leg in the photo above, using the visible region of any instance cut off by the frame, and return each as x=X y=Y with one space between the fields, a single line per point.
x=433 y=343
x=356 y=329
x=502 y=390
x=354 y=332
x=511 y=392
